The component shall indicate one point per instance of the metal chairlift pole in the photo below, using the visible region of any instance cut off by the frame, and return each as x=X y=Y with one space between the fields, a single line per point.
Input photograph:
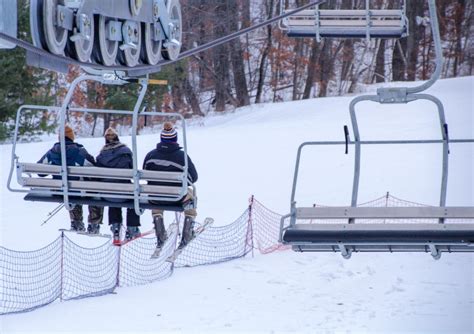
x=368 y=21
x=438 y=51
x=62 y=139
x=406 y=95
x=136 y=173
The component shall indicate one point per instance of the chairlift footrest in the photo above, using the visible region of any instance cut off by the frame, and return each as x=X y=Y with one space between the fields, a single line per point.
x=167 y=206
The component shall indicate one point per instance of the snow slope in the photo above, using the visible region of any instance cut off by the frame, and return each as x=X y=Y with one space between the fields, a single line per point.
x=252 y=151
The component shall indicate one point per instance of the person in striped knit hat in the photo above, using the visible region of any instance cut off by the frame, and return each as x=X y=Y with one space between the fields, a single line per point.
x=168 y=150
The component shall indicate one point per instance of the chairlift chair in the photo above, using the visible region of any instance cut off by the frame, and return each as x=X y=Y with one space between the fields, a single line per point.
x=78 y=185
x=350 y=237
x=346 y=23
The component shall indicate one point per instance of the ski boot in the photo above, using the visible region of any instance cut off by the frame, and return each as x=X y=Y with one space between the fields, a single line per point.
x=160 y=231
x=161 y=235
x=115 y=228
x=188 y=232
x=77 y=226
x=93 y=229
x=132 y=232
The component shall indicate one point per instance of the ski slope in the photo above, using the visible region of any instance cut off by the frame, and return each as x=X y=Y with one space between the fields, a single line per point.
x=252 y=151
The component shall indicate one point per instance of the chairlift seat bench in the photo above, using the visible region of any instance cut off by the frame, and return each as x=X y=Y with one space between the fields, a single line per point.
x=386 y=23
x=382 y=234
x=434 y=237
x=103 y=186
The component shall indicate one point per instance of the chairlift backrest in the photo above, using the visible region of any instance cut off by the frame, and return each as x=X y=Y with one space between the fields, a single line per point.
x=100 y=182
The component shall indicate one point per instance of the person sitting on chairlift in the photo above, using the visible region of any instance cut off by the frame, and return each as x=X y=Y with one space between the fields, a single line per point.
x=166 y=152
x=115 y=154
x=76 y=155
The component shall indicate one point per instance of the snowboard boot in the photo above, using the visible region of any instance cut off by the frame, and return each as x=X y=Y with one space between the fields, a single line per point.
x=115 y=228
x=77 y=226
x=160 y=231
x=93 y=228
x=188 y=232
x=132 y=232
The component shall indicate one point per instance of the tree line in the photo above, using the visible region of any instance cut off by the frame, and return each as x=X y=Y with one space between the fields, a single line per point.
x=262 y=66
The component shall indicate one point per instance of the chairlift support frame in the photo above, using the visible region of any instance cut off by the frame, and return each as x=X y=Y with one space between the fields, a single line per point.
x=352 y=237
x=37 y=56
x=83 y=193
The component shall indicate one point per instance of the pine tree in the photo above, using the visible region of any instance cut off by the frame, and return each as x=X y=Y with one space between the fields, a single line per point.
x=22 y=85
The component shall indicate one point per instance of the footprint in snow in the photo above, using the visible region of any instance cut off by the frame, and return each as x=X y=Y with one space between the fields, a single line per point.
x=394 y=289
x=276 y=282
x=370 y=271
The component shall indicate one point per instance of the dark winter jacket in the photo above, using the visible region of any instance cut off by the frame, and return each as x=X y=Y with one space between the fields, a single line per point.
x=76 y=155
x=169 y=152
x=115 y=155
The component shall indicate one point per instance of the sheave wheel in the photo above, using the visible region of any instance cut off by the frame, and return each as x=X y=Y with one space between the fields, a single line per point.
x=55 y=36
x=152 y=48
x=105 y=50
x=130 y=56
x=172 y=47
x=82 y=48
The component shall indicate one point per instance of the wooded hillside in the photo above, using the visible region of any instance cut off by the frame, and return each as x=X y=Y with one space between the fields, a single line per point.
x=264 y=66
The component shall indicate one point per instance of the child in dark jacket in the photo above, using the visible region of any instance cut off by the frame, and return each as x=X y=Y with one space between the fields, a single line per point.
x=76 y=155
x=168 y=156
x=115 y=154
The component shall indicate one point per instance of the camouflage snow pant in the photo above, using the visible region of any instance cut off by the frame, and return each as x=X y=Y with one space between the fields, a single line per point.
x=95 y=215
x=188 y=212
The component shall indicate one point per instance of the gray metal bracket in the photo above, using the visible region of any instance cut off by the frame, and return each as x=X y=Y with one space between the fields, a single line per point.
x=345 y=252
x=392 y=95
x=435 y=252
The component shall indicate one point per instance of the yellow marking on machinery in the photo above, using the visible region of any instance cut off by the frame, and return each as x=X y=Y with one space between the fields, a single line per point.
x=157 y=82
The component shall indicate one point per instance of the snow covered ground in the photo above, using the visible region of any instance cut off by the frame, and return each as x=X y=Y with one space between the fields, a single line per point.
x=252 y=151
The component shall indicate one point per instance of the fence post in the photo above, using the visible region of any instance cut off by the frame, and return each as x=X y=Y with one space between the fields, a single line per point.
x=117 y=281
x=387 y=198
x=250 y=225
x=62 y=267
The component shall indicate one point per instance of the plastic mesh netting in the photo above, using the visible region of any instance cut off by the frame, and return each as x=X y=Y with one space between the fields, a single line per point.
x=265 y=226
x=88 y=271
x=217 y=244
x=136 y=266
x=64 y=270
x=30 y=279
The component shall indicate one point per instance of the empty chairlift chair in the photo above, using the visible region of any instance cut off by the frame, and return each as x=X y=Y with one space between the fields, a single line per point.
x=442 y=235
x=347 y=23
